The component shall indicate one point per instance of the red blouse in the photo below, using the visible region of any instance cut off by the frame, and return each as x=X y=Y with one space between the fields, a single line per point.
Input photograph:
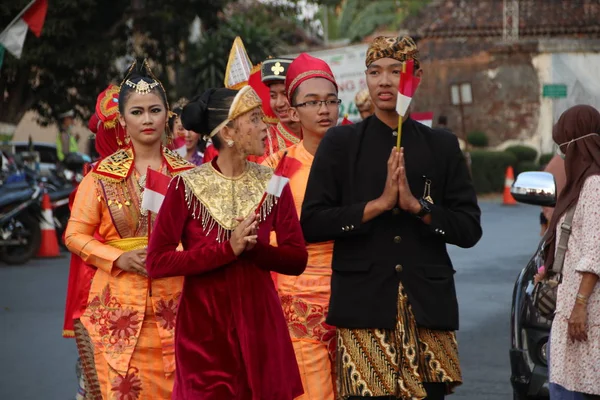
x=231 y=338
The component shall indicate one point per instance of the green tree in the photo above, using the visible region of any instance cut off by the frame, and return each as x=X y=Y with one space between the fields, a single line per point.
x=355 y=19
x=74 y=59
x=265 y=29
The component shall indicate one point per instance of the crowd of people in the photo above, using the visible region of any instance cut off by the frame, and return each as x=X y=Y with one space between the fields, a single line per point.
x=291 y=258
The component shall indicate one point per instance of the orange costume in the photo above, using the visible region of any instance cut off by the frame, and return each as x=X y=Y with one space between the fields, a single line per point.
x=305 y=298
x=129 y=318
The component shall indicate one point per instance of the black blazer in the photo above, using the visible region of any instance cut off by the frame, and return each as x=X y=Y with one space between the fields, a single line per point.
x=370 y=259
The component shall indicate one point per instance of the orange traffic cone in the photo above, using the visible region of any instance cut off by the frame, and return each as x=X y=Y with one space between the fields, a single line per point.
x=509 y=200
x=49 y=245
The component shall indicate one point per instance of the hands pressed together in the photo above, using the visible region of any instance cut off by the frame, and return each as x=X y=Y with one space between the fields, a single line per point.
x=244 y=237
x=397 y=191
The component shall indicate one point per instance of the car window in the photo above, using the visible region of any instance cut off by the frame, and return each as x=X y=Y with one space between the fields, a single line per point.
x=47 y=154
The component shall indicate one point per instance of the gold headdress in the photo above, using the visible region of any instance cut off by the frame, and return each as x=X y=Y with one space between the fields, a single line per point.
x=398 y=48
x=143 y=87
x=239 y=67
x=245 y=100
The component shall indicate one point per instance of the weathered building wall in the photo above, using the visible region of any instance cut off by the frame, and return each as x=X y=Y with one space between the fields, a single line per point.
x=505 y=88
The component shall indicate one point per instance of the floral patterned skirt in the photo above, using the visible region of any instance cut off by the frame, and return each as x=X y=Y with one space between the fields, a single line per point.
x=145 y=379
x=386 y=362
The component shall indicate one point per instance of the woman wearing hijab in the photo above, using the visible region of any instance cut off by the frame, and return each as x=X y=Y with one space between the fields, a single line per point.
x=575 y=336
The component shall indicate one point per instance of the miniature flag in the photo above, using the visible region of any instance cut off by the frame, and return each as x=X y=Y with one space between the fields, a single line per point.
x=407 y=87
x=346 y=121
x=285 y=169
x=426 y=118
x=31 y=17
x=155 y=191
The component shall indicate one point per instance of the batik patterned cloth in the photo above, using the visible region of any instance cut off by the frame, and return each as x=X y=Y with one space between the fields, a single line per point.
x=385 y=362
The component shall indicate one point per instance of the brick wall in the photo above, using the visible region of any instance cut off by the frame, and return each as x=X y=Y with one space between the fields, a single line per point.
x=504 y=84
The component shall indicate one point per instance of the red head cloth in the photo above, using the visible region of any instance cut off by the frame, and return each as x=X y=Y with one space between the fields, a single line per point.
x=306 y=67
x=262 y=90
x=110 y=135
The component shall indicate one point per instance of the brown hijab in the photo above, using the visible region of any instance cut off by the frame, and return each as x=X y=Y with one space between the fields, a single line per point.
x=582 y=159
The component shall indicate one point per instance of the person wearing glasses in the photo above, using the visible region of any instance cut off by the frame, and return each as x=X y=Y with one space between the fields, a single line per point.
x=393 y=299
x=313 y=94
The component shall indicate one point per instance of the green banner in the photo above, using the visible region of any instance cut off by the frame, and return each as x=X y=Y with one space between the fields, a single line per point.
x=555 y=91
x=1 y=55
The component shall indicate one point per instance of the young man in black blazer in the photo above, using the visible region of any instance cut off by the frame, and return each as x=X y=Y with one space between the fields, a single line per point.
x=391 y=214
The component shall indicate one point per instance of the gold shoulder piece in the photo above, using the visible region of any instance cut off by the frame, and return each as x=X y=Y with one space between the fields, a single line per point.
x=116 y=167
x=175 y=163
x=218 y=200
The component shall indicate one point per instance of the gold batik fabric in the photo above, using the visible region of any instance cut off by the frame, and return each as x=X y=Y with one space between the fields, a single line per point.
x=218 y=200
x=397 y=48
x=386 y=362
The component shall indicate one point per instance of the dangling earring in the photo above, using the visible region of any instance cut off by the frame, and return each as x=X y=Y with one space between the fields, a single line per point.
x=127 y=139
x=230 y=143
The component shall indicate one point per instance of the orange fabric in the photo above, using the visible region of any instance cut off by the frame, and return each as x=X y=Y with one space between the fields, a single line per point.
x=133 y=334
x=305 y=298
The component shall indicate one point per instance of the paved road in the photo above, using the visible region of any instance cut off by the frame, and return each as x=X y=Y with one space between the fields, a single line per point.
x=38 y=364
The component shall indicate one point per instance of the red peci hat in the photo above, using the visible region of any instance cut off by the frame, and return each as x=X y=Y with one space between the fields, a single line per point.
x=306 y=67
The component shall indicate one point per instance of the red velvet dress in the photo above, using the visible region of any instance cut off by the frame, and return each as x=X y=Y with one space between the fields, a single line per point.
x=231 y=337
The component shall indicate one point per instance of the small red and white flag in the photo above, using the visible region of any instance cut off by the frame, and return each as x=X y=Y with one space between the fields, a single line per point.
x=281 y=177
x=407 y=87
x=31 y=17
x=155 y=191
x=426 y=118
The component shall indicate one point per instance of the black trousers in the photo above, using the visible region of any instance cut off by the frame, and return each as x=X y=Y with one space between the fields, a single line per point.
x=435 y=391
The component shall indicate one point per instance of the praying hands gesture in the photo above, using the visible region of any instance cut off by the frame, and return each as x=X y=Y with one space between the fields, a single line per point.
x=406 y=200
x=244 y=237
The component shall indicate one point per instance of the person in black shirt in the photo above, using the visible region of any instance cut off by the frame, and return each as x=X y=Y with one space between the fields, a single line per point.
x=391 y=214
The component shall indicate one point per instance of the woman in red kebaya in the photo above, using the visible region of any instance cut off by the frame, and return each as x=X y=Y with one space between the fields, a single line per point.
x=232 y=340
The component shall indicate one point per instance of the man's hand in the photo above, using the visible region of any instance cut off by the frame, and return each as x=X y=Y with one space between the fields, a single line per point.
x=406 y=200
x=389 y=197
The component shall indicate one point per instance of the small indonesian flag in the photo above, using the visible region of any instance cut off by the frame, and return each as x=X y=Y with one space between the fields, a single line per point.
x=31 y=17
x=284 y=170
x=155 y=190
x=346 y=121
x=426 y=118
x=407 y=87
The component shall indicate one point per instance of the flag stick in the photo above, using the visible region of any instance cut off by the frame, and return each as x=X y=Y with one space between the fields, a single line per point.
x=399 y=138
x=149 y=233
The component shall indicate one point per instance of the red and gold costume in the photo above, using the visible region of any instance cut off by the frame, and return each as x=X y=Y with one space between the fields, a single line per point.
x=129 y=319
x=231 y=337
x=305 y=299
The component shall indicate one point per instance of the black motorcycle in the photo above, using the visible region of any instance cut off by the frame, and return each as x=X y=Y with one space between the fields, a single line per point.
x=20 y=216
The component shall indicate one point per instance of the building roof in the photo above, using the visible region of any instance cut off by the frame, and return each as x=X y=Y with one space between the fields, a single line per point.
x=537 y=18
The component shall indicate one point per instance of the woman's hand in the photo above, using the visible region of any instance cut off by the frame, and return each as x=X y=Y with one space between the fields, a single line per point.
x=133 y=261
x=244 y=237
x=577 y=323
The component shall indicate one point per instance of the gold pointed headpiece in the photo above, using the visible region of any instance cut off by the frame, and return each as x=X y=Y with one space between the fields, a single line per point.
x=244 y=101
x=239 y=67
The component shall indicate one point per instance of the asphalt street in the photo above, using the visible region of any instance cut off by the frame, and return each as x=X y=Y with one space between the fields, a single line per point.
x=37 y=363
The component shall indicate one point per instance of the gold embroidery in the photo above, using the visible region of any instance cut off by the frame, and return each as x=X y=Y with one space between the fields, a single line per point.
x=116 y=167
x=218 y=200
x=176 y=162
x=284 y=134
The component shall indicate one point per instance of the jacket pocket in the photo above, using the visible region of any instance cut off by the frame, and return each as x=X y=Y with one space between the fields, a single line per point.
x=432 y=296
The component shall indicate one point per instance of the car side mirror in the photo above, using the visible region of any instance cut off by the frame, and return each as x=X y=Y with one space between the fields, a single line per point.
x=536 y=188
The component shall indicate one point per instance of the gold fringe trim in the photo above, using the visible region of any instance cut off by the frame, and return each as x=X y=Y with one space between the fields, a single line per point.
x=67 y=333
x=202 y=213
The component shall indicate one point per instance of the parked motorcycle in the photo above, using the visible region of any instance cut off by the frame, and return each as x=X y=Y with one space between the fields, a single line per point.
x=20 y=216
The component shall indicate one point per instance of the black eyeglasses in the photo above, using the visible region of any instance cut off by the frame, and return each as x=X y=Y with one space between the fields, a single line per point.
x=314 y=104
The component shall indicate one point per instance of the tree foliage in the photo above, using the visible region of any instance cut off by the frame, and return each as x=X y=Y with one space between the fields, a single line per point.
x=75 y=57
x=355 y=19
